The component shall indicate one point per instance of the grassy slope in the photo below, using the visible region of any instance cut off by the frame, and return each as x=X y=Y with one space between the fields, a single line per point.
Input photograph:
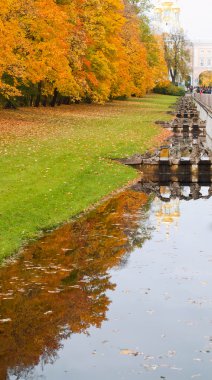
x=54 y=162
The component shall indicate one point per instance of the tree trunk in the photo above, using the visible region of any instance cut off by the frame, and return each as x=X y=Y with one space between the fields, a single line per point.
x=171 y=75
x=54 y=99
x=38 y=97
x=31 y=100
x=59 y=101
x=44 y=102
x=10 y=104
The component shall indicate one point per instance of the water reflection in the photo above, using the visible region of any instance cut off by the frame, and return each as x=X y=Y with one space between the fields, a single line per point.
x=167 y=199
x=58 y=286
x=58 y=289
x=176 y=190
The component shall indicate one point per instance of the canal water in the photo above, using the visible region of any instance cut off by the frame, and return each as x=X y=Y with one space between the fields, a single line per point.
x=123 y=292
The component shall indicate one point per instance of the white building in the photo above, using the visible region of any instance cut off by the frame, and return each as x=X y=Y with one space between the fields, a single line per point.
x=166 y=17
x=201 y=60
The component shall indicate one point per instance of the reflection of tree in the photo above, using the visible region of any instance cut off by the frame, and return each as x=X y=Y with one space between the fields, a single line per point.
x=58 y=286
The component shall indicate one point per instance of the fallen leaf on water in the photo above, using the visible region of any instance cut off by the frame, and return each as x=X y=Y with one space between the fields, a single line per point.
x=150 y=311
x=130 y=352
x=171 y=354
x=176 y=368
x=204 y=283
x=148 y=357
x=54 y=291
x=151 y=367
x=8 y=298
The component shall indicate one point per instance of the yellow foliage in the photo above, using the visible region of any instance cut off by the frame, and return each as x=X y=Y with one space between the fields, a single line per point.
x=80 y=48
x=206 y=78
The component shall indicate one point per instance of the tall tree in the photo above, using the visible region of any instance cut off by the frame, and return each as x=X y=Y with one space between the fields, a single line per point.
x=155 y=52
x=12 y=43
x=47 y=30
x=205 y=78
x=177 y=55
x=136 y=52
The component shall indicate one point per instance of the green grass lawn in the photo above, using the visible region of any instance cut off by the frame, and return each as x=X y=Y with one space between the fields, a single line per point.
x=54 y=163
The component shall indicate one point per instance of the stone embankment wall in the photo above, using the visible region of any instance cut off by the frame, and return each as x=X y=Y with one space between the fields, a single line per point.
x=204 y=106
x=186 y=157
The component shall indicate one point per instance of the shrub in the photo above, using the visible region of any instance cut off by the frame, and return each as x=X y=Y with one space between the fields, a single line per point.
x=169 y=89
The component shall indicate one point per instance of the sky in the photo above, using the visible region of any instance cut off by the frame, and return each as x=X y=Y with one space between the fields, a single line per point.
x=196 y=18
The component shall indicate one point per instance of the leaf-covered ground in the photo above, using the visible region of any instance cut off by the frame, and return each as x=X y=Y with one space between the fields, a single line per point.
x=56 y=162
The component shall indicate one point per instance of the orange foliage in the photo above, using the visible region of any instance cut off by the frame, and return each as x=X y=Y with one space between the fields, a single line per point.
x=84 y=49
x=136 y=54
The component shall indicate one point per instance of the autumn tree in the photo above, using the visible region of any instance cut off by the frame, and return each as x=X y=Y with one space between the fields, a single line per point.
x=177 y=55
x=73 y=50
x=136 y=53
x=155 y=52
x=36 y=35
x=103 y=21
x=205 y=78
x=12 y=41
x=47 y=57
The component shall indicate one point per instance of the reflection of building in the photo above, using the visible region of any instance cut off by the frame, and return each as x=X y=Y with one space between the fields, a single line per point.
x=167 y=213
x=166 y=17
x=201 y=59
